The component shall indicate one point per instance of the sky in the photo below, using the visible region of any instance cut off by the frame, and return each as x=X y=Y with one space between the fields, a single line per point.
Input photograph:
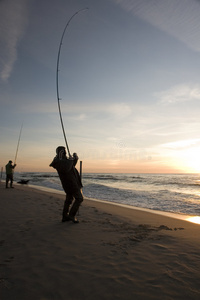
x=128 y=83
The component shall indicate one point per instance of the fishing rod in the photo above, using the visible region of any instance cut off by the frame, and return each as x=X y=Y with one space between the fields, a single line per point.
x=57 y=69
x=18 y=144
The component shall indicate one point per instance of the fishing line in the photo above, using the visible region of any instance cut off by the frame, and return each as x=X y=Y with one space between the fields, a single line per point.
x=58 y=60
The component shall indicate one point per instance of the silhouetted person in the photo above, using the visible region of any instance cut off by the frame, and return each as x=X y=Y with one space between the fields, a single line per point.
x=9 y=173
x=71 y=183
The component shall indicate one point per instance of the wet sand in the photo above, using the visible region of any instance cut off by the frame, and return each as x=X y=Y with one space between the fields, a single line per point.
x=113 y=253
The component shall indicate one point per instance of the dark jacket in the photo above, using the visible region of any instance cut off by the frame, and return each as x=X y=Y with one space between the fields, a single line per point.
x=9 y=168
x=68 y=174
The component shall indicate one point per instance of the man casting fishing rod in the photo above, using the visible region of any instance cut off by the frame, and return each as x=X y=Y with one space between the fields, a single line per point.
x=64 y=165
x=9 y=167
x=71 y=182
x=9 y=173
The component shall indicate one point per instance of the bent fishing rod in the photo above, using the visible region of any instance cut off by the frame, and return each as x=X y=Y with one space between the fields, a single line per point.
x=18 y=144
x=57 y=70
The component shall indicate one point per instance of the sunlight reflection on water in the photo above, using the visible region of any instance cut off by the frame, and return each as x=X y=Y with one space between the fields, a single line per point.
x=195 y=219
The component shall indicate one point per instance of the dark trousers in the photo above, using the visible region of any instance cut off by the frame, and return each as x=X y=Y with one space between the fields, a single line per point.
x=9 y=177
x=78 y=196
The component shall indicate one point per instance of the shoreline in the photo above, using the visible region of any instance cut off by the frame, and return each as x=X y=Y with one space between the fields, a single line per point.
x=182 y=212
x=113 y=253
x=189 y=218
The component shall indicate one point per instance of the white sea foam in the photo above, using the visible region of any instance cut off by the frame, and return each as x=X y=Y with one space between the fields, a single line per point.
x=176 y=193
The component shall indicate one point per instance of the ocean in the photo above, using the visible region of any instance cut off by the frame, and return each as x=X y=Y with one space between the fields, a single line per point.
x=175 y=193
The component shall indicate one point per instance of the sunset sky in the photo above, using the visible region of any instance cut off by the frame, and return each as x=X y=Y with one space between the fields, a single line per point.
x=129 y=84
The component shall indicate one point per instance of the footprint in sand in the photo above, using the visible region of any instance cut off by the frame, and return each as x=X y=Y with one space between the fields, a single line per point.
x=26 y=226
x=4 y=283
x=9 y=259
x=2 y=242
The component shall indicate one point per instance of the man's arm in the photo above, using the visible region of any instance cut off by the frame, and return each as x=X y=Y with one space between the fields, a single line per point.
x=75 y=158
x=62 y=165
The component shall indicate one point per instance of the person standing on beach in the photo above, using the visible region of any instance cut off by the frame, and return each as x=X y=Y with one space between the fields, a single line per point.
x=71 y=182
x=9 y=173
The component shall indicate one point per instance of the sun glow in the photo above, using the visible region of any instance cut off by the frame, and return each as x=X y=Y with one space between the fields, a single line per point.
x=187 y=159
x=195 y=220
x=184 y=155
x=192 y=159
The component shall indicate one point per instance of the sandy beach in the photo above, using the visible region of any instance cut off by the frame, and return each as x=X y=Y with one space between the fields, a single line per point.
x=113 y=253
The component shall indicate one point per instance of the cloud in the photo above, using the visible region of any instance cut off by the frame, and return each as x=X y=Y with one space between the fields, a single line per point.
x=179 y=93
x=179 y=18
x=119 y=110
x=181 y=144
x=13 y=21
x=80 y=117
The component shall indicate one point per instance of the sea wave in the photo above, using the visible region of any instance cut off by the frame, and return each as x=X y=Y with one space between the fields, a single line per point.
x=177 y=193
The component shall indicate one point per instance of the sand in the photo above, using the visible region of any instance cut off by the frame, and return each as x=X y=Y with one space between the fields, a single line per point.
x=113 y=253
